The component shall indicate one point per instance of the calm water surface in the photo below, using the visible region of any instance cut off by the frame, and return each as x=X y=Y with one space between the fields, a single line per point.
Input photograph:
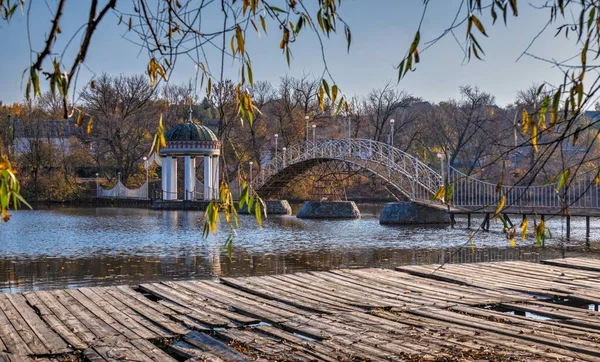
x=70 y=247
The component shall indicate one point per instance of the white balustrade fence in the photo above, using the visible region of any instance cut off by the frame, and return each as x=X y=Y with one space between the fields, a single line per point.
x=468 y=192
x=122 y=192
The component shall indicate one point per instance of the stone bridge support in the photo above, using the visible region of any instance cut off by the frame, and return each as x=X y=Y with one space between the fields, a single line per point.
x=413 y=213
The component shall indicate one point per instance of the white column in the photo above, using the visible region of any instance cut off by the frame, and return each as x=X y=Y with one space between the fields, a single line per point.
x=173 y=178
x=164 y=177
x=187 y=178
x=215 y=172
x=193 y=178
x=207 y=178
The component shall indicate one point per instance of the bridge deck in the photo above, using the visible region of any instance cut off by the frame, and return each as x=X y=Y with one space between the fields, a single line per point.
x=505 y=310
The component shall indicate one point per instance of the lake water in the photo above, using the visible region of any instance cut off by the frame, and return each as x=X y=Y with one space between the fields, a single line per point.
x=71 y=247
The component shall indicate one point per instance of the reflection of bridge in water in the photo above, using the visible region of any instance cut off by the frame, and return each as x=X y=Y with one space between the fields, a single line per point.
x=411 y=179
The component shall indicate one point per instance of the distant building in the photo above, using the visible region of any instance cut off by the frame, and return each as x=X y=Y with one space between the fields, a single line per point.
x=55 y=132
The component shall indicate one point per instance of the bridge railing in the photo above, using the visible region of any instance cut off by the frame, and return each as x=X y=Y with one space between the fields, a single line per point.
x=580 y=192
x=402 y=170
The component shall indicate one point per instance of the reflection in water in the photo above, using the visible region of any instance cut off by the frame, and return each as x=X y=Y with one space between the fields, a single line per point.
x=103 y=246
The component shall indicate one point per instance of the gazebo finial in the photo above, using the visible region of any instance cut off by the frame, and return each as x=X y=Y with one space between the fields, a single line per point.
x=190 y=111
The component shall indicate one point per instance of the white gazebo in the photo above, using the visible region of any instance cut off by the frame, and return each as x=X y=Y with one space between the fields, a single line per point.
x=190 y=140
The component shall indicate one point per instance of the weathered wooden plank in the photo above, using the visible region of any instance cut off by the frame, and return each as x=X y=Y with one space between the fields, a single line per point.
x=588 y=264
x=50 y=339
x=92 y=356
x=103 y=315
x=290 y=296
x=214 y=346
x=27 y=335
x=149 y=318
x=106 y=310
x=246 y=307
x=236 y=299
x=319 y=350
x=259 y=346
x=72 y=335
x=11 y=338
x=192 y=353
x=529 y=334
x=461 y=334
x=96 y=325
x=151 y=351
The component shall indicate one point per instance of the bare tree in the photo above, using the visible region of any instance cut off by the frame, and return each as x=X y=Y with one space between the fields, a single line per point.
x=381 y=106
x=124 y=111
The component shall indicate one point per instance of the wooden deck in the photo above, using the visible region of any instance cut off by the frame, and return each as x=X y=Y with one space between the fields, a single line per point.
x=505 y=311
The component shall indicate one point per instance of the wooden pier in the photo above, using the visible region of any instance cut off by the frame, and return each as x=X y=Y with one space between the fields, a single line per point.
x=503 y=311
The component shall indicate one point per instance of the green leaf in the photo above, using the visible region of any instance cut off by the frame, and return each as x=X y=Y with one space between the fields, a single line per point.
x=299 y=25
x=415 y=43
x=229 y=245
x=326 y=87
x=334 y=93
x=250 y=77
x=276 y=9
x=348 y=37
x=564 y=178
x=258 y=214
x=576 y=135
x=244 y=195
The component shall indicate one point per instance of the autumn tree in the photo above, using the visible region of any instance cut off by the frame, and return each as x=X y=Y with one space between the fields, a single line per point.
x=124 y=110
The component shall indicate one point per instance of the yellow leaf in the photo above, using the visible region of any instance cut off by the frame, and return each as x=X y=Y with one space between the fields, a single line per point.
x=525 y=121
x=534 y=135
x=79 y=119
x=500 y=206
x=322 y=98
x=90 y=124
x=524 y=225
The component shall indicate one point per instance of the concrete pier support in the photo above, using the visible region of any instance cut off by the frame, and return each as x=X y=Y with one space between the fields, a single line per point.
x=329 y=210
x=274 y=207
x=412 y=213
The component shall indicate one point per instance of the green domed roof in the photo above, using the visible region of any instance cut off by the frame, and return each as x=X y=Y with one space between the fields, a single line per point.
x=190 y=131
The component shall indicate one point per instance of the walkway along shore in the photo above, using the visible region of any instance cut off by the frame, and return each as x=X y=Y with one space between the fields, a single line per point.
x=499 y=311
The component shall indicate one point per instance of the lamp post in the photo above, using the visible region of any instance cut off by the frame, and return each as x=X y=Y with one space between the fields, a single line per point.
x=97 y=185
x=147 y=185
x=349 y=129
x=146 y=167
x=284 y=149
x=314 y=144
x=392 y=121
x=276 y=161
x=440 y=155
x=306 y=119
x=250 y=178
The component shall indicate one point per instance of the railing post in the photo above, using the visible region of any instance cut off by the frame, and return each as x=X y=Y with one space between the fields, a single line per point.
x=416 y=162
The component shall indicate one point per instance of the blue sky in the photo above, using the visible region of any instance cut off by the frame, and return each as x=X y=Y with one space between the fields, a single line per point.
x=381 y=30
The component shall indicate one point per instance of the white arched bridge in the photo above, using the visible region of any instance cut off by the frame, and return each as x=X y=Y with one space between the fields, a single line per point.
x=411 y=179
